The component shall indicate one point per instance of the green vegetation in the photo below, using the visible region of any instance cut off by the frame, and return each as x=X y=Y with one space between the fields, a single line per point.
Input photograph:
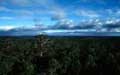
x=59 y=56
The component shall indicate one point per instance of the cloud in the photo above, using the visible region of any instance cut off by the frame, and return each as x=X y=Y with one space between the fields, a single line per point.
x=50 y=7
x=6 y=28
x=32 y=3
x=87 y=13
x=4 y=9
x=88 y=24
x=23 y=12
x=69 y=24
x=21 y=2
x=6 y=18
x=54 y=9
x=40 y=27
x=117 y=30
x=17 y=12
x=111 y=13
x=58 y=16
x=118 y=13
x=64 y=24
x=42 y=7
x=109 y=22
x=91 y=24
x=93 y=14
x=112 y=24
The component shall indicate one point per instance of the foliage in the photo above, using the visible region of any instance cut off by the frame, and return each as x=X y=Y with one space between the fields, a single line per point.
x=64 y=56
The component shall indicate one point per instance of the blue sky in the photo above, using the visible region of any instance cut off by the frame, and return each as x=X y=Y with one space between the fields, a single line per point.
x=59 y=14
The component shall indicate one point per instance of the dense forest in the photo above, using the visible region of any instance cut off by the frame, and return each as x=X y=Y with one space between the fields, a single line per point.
x=43 y=55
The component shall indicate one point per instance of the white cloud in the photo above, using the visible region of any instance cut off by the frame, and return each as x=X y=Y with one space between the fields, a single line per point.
x=109 y=22
x=6 y=28
x=64 y=24
x=50 y=8
x=87 y=13
x=112 y=21
x=6 y=18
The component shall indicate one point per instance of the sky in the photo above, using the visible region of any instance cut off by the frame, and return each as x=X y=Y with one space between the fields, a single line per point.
x=82 y=15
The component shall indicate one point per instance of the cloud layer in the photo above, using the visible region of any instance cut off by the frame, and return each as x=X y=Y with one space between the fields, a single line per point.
x=82 y=15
